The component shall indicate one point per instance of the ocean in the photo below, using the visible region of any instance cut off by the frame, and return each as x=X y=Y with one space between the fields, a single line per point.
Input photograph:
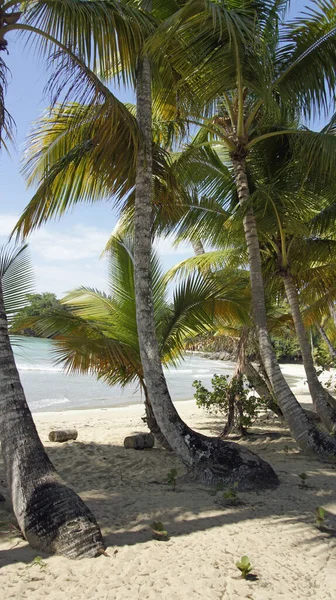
x=49 y=388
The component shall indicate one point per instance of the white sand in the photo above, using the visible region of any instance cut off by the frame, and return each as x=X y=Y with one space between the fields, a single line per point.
x=126 y=490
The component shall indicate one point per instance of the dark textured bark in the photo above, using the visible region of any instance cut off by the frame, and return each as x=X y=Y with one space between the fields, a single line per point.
x=230 y=418
x=50 y=515
x=208 y=460
x=309 y=438
x=321 y=406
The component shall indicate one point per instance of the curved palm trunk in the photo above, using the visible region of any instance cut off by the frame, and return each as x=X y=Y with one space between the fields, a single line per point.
x=332 y=350
x=153 y=424
x=323 y=409
x=255 y=379
x=207 y=459
x=332 y=311
x=50 y=515
x=309 y=438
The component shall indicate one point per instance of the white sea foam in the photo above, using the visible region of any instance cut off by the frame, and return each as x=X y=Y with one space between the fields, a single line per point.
x=47 y=385
x=38 y=367
x=49 y=402
x=172 y=372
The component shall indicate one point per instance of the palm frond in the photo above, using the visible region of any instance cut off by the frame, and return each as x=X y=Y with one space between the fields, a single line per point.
x=307 y=56
x=6 y=121
x=17 y=277
x=105 y=33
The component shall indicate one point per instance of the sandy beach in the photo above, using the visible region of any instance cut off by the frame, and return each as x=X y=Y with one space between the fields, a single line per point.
x=127 y=491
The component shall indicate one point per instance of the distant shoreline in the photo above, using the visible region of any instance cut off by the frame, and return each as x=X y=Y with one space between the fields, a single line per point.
x=226 y=356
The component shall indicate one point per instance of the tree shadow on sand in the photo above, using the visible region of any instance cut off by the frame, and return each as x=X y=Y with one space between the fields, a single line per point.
x=127 y=490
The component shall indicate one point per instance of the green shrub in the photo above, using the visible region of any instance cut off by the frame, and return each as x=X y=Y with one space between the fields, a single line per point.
x=229 y=394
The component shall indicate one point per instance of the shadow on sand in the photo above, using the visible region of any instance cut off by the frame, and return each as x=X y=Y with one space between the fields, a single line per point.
x=127 y=491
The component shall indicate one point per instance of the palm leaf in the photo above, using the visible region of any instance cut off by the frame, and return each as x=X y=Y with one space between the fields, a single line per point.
x=16 y=277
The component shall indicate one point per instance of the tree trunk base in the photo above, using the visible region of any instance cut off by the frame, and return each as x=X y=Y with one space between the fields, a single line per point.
x=140 y=441
x=153 y=426
x=321 y=445
x=57 y=521
x=330 y=399
x=216 y=462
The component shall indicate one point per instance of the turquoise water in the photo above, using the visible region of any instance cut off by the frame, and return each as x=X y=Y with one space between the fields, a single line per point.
x=48 y=388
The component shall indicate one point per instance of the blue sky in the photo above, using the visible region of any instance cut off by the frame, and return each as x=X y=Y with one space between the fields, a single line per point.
x=65 y=253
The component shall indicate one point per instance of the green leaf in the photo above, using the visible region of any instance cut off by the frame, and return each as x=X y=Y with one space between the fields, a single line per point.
x=17 y=278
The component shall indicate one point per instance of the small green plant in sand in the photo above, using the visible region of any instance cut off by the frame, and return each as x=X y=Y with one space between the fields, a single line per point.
x=159 y=532
x=231 y=398
x=172 y=478
x=38 y=562
x=286 y=449
x=319 y=516
x=244 y=566
x=230 y=496
x=303 y=477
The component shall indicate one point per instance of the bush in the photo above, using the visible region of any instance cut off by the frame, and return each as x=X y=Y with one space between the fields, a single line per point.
x=230 y=398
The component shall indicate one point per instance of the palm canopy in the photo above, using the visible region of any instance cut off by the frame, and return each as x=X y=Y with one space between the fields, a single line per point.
x=99 y=334
x=84 y=153
x=254 y=77
x=76 y=37
x=87 y=153
x=287 y=204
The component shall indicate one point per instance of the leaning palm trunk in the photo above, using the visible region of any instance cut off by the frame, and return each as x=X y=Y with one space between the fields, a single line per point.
x=245 y=367
x=309 y=438
x=332 y=311
x=322 y=407
x=332 y=350
x=257 y=382
x=152 y=422
x=209 y=460
x=50 y=515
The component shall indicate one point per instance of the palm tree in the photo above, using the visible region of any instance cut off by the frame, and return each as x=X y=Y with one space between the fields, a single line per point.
x=252 y=81
x=284 y=206
x=77 y=35
x=99 y=333
x=300 y=279
x=50 y=515
x=207 y=459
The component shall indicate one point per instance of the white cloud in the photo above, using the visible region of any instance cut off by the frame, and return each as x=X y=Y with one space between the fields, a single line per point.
x=165 y=246
x=64 y=258
x=62 y=278
x=7 y=223
x=78 y=243
x=67 y=256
